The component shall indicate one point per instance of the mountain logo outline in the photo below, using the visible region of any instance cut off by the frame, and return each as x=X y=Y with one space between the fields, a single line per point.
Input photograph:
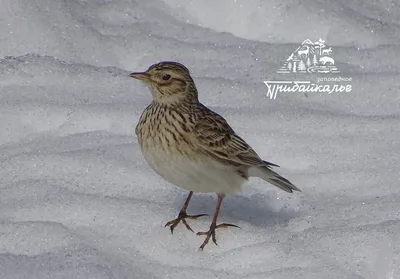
x=310 y=57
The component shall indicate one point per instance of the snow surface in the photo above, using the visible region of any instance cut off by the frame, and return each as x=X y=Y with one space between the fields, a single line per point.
x=78 y=200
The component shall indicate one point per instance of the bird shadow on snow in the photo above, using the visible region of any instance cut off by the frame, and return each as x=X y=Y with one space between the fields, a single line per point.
x=259 y=210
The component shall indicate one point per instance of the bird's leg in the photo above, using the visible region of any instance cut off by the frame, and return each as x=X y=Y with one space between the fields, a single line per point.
x=183 y=215
x=211 y=232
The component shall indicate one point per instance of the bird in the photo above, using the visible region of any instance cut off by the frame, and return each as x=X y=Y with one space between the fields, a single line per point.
x=193 y=147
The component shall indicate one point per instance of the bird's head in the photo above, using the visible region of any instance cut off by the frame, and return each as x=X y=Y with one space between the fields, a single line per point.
x=169 y=82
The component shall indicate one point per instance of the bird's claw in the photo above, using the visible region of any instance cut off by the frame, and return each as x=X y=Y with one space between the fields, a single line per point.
x=182 y=217
x=211 y=233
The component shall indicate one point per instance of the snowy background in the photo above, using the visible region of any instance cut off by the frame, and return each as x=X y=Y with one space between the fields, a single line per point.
x=77 y=199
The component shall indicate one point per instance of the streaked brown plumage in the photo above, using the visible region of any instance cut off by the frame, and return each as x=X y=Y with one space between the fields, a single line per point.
x=193 y=147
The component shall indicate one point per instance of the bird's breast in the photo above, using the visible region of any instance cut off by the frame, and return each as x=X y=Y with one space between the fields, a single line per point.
x=163 y=130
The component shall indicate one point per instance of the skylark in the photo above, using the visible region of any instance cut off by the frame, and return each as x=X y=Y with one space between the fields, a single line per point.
x=193 y=147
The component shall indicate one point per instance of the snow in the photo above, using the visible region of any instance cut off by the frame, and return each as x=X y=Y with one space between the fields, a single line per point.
x=77 y=199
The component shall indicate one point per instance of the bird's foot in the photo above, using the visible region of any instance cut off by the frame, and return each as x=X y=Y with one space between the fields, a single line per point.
x=211 y=233
x=182 y=217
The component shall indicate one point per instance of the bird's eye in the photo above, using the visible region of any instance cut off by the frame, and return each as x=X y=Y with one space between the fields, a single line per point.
x=166 y=77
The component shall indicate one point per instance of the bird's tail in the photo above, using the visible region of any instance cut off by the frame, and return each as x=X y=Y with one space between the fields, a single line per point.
x=273 y=178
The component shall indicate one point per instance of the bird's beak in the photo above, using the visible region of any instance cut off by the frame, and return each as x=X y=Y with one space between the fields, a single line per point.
x=141 y=76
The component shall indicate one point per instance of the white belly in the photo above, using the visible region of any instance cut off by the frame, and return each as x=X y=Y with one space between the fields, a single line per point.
x=199 y=176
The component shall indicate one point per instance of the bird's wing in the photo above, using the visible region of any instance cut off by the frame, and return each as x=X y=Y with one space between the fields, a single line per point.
x=215 y=136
